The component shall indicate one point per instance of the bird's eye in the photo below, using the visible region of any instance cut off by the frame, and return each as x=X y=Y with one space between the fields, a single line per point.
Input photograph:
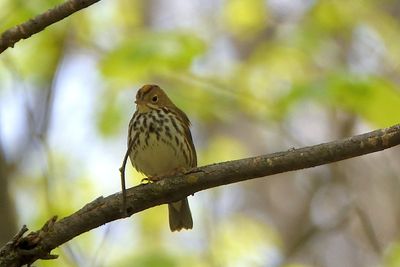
x=154 y=99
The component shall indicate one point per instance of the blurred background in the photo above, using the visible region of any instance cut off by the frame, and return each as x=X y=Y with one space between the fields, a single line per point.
x=254 y=77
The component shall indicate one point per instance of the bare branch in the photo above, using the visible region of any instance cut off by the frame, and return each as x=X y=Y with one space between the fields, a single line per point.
x=139 y=198
x=40 y=22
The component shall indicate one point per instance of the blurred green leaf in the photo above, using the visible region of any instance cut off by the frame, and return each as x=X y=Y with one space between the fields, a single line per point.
x=156 y=258
x=392 y=255
x=222 y=148
x=151 y=54
x=36 y=60
x=335 y=16
x=256 y=247
x=245 y=17
x=110 y=117
x=375 y=99
x=16 y=12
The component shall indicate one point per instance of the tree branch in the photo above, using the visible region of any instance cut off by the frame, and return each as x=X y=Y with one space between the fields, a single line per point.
x=40 y=22
x=103 y=210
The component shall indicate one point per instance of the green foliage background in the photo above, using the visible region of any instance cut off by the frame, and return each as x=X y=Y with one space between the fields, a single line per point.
x=254 y=77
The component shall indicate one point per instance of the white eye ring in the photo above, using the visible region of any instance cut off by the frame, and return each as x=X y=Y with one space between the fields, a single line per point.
x=154 y=99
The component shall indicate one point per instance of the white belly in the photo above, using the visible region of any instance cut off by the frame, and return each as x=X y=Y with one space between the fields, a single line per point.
x=158 y=158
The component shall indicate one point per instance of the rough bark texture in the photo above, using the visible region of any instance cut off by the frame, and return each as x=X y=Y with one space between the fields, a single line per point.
x=40 y=22
x=23 y=250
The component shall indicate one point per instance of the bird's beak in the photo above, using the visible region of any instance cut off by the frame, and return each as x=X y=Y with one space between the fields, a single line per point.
x=141 y=106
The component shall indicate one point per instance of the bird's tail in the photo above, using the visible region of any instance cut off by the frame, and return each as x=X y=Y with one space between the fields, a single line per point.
x=180 y=216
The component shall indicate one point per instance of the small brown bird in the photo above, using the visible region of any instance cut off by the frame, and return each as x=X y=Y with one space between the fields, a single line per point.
x=162 y=145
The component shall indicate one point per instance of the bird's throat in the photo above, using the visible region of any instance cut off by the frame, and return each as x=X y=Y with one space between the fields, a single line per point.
x=143 y=108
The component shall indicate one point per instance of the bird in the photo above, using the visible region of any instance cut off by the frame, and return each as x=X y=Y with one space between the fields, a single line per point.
x=162 y=145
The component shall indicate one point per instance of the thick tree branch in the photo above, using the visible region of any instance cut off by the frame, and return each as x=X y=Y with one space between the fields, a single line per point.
x=40 y=22
x=103 y=210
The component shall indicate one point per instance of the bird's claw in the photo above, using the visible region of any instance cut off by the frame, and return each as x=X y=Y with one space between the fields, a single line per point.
x=157 y=178
x=145 y=181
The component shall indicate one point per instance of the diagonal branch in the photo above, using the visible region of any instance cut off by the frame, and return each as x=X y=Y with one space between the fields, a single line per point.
x=38 y=245
x=40 y=22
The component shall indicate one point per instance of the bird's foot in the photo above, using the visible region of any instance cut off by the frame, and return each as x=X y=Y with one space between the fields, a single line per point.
x=152 y=179
x=156 y=178
x=145 y=181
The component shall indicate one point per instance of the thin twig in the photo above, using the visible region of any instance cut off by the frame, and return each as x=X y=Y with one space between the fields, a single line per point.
x=123 y=186
x=368 y=229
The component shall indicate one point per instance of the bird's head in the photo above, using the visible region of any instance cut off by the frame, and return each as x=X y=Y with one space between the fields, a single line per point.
x=150 y=97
